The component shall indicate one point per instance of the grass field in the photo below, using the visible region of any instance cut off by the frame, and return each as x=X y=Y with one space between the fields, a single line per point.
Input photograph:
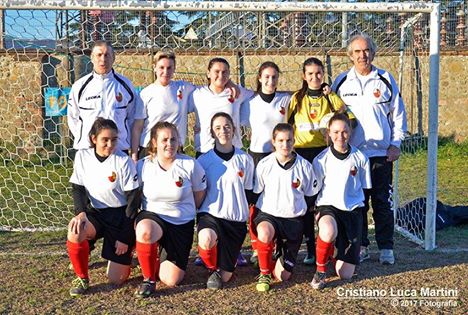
x=35 y=278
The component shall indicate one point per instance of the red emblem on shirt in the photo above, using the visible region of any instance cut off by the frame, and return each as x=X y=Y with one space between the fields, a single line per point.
x=180 y=182
x=377 y=93
x=282 y=110
x=296 y=184
x=119 y=97
x=353 y=171
x=313 y=114
x=240 y=173
x=179 y=94
x=113 y=177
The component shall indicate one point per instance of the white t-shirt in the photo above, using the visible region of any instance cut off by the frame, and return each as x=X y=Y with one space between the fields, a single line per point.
x=205 y=104
x=170 y=193
x=282 y=191
x=226 y=184
x=342 y=181
x=164 y=103
x=106 y=182
x=262 y=117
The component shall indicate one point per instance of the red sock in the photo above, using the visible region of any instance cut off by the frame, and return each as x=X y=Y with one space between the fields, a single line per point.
x=148 y=257
x=79 y=257
x=253 y=236
x=323 y=250
x=209 y=257
x=265 y=260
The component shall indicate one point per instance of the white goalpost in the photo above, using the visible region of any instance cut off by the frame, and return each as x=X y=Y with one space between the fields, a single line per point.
x=44 y=48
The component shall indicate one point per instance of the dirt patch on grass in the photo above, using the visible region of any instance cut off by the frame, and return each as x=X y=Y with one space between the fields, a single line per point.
x=35 y=280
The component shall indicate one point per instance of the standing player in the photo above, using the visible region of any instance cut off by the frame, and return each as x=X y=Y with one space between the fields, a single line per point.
x=286 y=183
x=106 y=180
x=262 y=113
x=173 y=188
x=163 y=100
x=224 y=212
x=373 y=96
x=216 y=97
x=102 y=93
x=343 y=172
x=308 y=106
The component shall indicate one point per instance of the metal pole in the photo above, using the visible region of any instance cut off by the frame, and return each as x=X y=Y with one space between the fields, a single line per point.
x=434 y=50
x=344 y=28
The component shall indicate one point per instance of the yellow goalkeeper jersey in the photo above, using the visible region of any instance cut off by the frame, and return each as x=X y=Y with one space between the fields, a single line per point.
x=307 y=118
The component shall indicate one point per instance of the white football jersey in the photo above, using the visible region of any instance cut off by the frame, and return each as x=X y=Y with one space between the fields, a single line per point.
x=164 y=103
x=226 y=185
x=169 y=193
x=282 y=191
x=204 y=103
x=262 y=117
x=106 y=182
x=342 y=181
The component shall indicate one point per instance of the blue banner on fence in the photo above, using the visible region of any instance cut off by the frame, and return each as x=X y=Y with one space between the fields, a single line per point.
x=56 y=100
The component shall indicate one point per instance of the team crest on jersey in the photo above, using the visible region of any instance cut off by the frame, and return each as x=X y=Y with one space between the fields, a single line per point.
x=179 y=94
x=377 y=93
x=180 y=182
x=119 y=97
x=296 y=183
x=282 y=110
x=113 y=177
x=353 y=171
x=240 y=173
x=313 y=113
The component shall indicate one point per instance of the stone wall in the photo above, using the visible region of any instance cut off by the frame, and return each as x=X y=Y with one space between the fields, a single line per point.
x=22 y=79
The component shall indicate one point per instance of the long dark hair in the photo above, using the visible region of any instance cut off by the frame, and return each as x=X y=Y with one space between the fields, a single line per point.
x=303 y=91
x=263 y=66
x=215 y=60
x=99 y=125
x=225 y=115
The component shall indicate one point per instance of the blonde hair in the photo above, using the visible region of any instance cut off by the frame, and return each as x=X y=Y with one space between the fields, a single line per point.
x=162 y=54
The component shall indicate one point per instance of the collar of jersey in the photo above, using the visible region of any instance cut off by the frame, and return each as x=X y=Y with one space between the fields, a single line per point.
x=373 y=74
x=103 y=76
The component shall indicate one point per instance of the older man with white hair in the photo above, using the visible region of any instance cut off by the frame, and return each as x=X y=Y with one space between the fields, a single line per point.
x=374 y=98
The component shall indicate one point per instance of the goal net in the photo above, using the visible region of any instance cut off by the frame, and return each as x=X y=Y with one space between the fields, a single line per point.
x=45 y=48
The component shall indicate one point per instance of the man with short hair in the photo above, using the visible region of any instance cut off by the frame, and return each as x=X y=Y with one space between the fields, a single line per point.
x=102 y=93
x=374 y=98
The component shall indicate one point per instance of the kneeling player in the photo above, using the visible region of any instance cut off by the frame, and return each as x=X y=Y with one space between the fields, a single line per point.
x=343 y=172
x=173 y=187
x=108 y=181
x=286 y=183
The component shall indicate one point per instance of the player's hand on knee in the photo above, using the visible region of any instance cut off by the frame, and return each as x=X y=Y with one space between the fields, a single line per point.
x=120 y=248
x=78 y=223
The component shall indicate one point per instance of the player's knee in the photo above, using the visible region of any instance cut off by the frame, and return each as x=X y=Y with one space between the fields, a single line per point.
x=144 y=235
x=345 y=272
x=264 y=233
x=168 y=280
x=327 y=233
x=206 y=239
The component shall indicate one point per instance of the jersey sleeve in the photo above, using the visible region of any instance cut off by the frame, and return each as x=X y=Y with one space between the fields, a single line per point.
x=245 y=114
x=259 y=184
x=319 y=173
x=129 y=175
x=73 y=111
x=311 y=184
x=198 y=177
x=78 y=169
x=249 y=173
x=245 y=94
x=398 y=116
x=292 y=106
x=336 y=101
x=365 y=177
x=141 y=107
